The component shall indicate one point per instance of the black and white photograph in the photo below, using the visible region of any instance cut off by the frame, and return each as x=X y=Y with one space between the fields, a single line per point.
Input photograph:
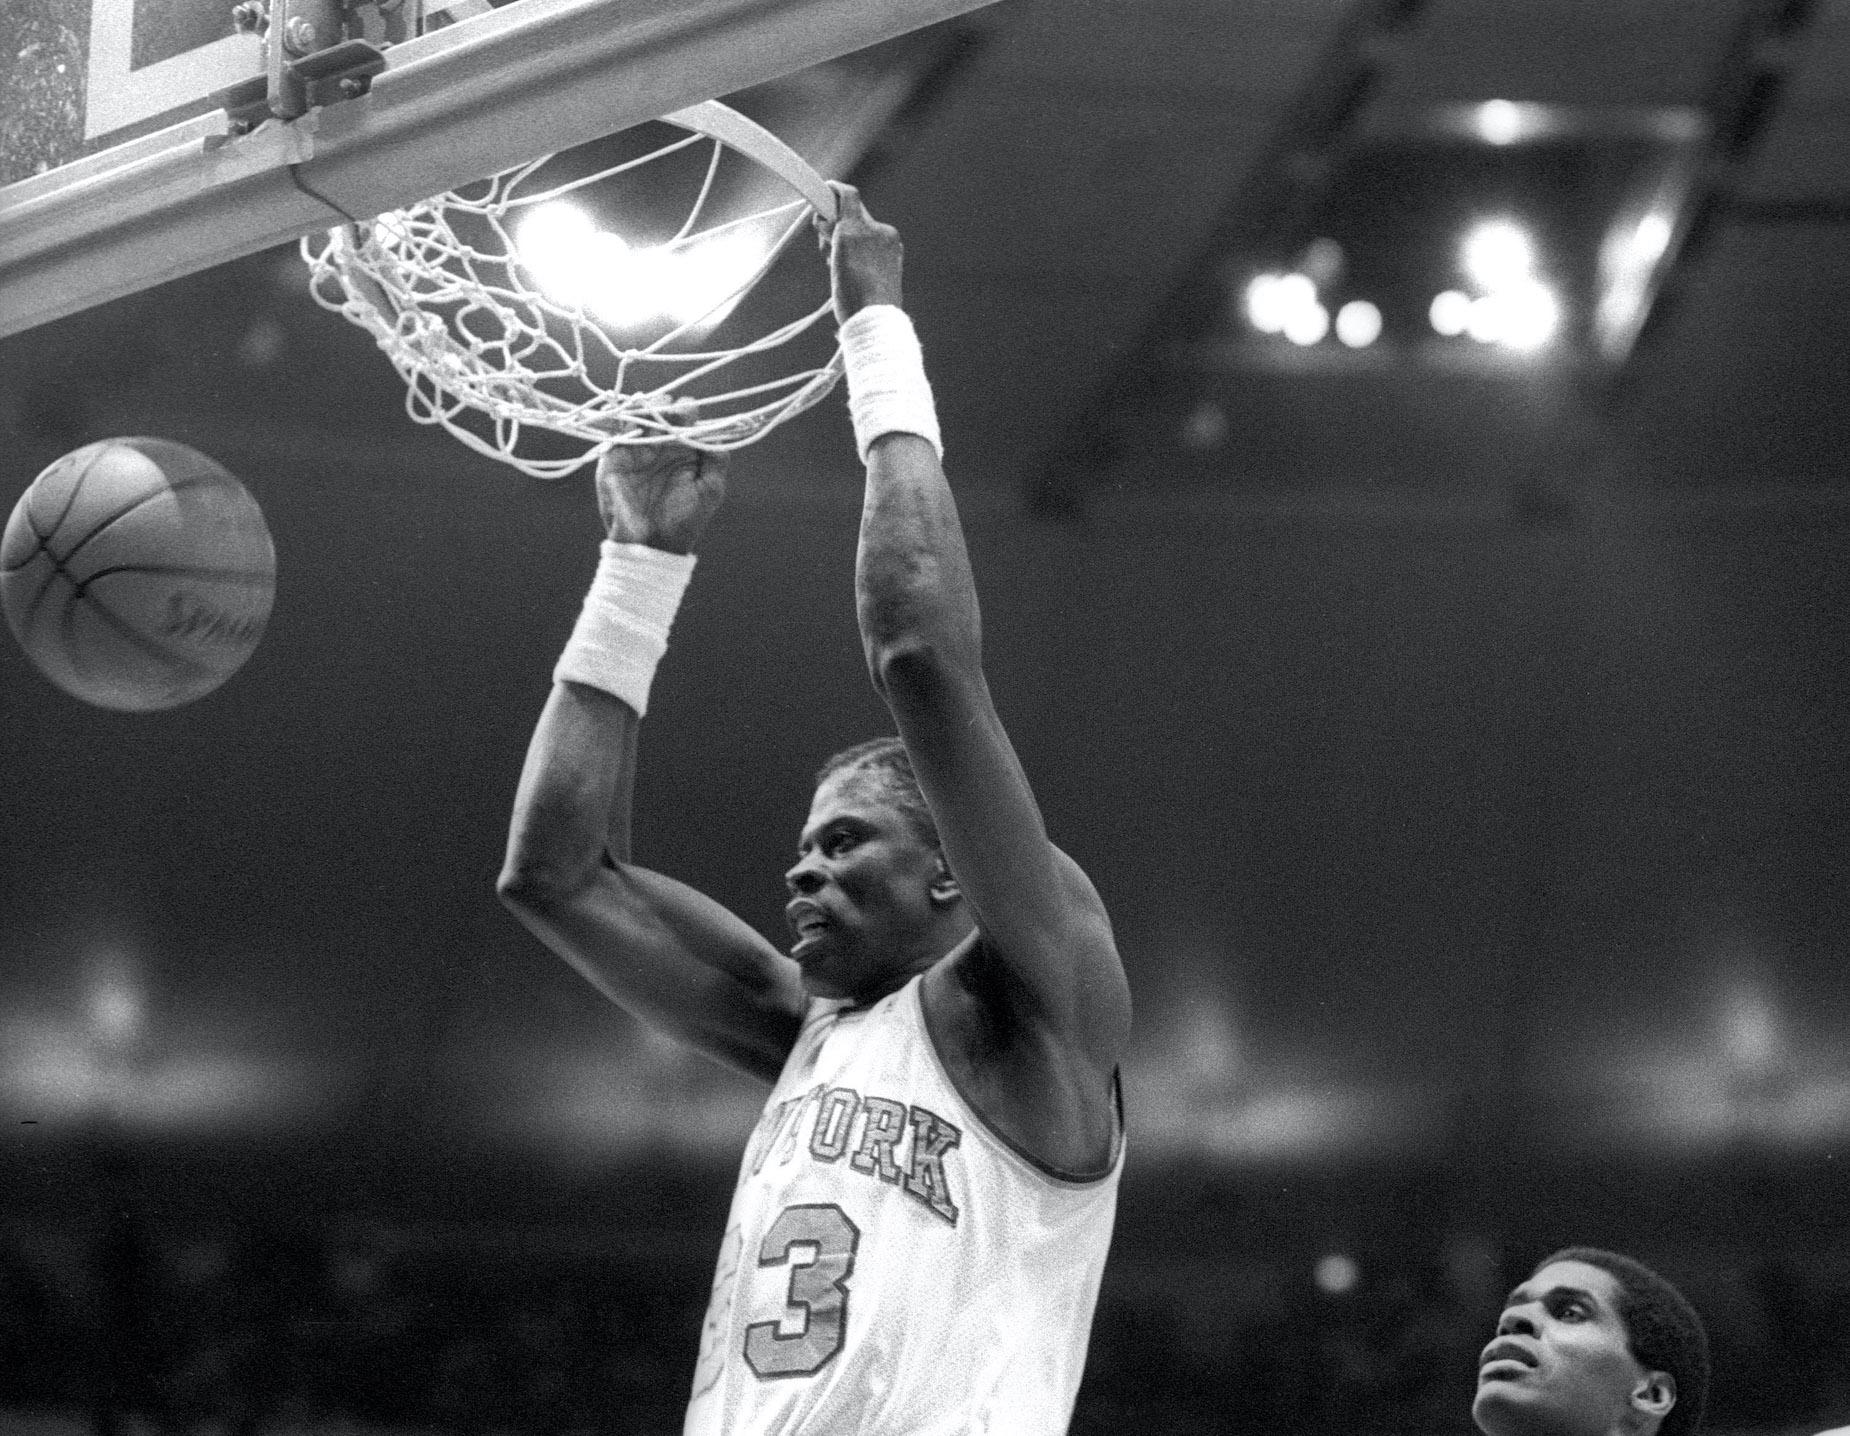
x=925 y=718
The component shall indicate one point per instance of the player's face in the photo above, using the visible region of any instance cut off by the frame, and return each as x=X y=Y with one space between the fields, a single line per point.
x=861 y=908
x=1561 y=1361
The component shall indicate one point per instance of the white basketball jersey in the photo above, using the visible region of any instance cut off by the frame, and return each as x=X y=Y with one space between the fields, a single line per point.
x=892 y=1264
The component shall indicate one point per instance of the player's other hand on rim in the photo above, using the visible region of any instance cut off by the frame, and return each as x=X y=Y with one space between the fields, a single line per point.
x=865 y=256
x=662 y=495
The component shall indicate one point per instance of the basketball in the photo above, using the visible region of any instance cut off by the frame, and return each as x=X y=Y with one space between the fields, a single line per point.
x=137 y=574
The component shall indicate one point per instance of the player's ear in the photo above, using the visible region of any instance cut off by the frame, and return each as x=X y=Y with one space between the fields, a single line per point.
x=944 y=888
x=1653 y=1395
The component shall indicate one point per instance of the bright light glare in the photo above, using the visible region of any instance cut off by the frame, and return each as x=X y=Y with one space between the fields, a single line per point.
x=1498 y=121
x=616 y=284
x=1619 y=307
x=697 y=280
x=1483 y=321
x=1518 y=310
x=1296 y=291
x=1308 y=325
x=1450 y=313
x=1263 y=311
x=1628 y=257
x=1336 y=1274
x=1651 y=238
x=1498 y=254
x=1358 y=324
x=1522 y=317
x=577 y=263
x=1530 y=315
x=556 y=243
x=1271 y=300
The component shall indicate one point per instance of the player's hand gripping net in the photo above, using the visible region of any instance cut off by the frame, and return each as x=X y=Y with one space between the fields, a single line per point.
x=661 y=494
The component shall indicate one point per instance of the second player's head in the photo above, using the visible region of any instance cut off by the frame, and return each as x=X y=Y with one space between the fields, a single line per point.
x=872 y=899
x=1593 y=1344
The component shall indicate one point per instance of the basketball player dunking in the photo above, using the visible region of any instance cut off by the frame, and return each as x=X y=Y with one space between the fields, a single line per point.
x=922 y=1214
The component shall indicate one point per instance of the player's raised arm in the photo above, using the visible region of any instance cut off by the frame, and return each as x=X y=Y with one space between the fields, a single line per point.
x=1042 y=994
x=667 y=954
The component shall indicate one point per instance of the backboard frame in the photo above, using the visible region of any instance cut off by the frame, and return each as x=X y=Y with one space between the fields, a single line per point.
x=540 y=76
x=117 y=93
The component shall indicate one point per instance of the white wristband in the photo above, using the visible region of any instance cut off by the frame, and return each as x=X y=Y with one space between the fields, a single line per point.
x=887 y=389
x=622 y=630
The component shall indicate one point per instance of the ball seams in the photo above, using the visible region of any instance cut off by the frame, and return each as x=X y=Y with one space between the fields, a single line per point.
x=129 y=634
x=70 y=500
x=174 y=486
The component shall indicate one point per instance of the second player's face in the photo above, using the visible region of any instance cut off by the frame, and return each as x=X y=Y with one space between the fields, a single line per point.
x=861 y=911
x=1561 y=1362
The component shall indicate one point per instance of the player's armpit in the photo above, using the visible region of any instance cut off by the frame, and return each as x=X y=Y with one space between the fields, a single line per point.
x=672 y=958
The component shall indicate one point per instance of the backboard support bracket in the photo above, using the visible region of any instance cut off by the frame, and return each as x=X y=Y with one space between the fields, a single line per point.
x=343 y=71
x=316 y=52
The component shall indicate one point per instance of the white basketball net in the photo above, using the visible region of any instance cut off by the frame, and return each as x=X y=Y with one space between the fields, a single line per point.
x=455 y=291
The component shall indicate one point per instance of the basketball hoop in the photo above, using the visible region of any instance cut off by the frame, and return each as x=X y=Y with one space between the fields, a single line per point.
x=505 y=309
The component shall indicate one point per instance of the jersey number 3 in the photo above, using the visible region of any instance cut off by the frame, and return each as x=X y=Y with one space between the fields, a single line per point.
x=818 y=1292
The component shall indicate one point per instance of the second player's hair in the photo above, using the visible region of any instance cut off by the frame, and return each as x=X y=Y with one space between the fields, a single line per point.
x=887 y=761
x=1664 y=1330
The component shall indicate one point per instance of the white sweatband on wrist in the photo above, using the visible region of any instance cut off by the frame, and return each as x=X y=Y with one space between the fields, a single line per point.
x=887 y=389
x=622 y=630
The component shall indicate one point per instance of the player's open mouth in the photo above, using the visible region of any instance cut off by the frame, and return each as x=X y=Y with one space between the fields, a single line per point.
x=1504 y=1361
x=807 y=923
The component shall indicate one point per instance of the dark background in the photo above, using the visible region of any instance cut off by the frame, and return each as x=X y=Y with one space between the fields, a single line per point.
x=1460 y=753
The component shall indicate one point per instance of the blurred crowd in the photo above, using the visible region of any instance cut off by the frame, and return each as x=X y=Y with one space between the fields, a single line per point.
x=288 y=1326
x=132 y=1326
